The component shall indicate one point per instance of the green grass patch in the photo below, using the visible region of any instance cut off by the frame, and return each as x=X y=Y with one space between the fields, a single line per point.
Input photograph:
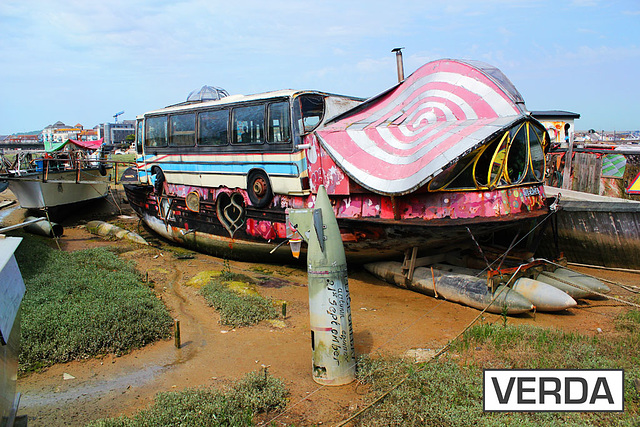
x=449 y=391
x=256 y=393
x=83 y=304
x=237 y=308
x=128 y=158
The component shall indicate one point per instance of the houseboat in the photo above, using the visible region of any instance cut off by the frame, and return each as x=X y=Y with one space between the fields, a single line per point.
x=447 y=159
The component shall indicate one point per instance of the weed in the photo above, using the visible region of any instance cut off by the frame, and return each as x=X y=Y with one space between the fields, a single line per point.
x=256 y=393
x=236 y=309
x=227 y=274
x=448 y=393
x=83 y=304
x=629 y=321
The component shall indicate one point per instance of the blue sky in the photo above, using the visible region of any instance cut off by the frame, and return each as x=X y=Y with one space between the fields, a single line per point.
x=82 y=61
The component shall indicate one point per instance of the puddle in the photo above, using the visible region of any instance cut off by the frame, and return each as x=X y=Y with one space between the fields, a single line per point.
x=89 y=389
x=4 y=213
x=274 y=282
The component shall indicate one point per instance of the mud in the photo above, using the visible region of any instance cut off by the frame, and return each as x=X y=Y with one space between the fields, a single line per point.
x=386 y=321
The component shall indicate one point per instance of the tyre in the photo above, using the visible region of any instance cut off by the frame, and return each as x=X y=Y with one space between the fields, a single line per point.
x=159 y=184
x=259 y=189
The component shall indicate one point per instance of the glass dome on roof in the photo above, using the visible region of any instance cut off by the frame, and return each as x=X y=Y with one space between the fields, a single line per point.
x=207 y=93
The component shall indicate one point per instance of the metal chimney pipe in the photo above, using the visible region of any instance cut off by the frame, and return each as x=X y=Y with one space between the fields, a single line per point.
x=398 y=52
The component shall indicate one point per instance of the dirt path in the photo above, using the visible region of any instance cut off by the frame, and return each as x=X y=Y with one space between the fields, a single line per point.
x=386 y=320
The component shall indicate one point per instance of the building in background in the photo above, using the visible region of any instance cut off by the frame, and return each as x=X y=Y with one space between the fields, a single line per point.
x=116 y=133
x=559 y=124
x=22 y=139
x=59 y=132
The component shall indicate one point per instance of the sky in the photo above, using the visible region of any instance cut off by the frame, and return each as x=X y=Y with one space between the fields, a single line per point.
x=82 y=61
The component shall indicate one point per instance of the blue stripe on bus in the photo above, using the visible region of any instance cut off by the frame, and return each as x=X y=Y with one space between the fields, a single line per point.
x=289 y=168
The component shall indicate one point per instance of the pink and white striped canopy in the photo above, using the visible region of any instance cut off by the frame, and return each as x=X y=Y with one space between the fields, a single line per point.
x=396 y=142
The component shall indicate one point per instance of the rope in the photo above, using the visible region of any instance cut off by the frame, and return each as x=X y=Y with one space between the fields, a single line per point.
x=585 y=288
x=423 y=365
x=374 y=350
x=602 y=267
x=446 y=347
x=518 y=242
x=56 y=238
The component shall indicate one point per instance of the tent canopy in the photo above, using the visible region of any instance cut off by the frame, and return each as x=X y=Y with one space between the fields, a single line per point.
x=85 y=145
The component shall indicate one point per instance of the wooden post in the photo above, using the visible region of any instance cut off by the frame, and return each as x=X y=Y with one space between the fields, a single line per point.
x=177 y=332
x=284 y=309
x=566 y=173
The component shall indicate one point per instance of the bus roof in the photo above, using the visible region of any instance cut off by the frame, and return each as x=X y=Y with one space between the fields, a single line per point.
x=236 y=99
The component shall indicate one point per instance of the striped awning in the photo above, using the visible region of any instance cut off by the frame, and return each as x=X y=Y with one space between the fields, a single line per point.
x=396 y=142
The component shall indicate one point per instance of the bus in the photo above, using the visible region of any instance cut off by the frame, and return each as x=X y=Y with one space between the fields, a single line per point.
x=448 y=155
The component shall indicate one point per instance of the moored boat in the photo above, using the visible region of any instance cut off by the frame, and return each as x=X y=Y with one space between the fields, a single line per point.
x=448 y=156
x=594 y=230
x=70 y=173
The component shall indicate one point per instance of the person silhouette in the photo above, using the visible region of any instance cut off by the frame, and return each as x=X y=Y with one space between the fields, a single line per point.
x=246 y=138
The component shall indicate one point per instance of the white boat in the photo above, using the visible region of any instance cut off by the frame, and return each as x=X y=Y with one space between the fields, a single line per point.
x=71 y=174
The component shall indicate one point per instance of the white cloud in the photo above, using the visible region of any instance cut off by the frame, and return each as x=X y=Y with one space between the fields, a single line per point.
x=585 y=3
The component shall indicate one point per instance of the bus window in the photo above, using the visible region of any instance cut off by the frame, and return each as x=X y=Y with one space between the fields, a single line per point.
x=156 y=131
x=139 y=138
x=212 y=127
x=248 y=125
x=279 y=125
x=308 y=112
x=182 y=130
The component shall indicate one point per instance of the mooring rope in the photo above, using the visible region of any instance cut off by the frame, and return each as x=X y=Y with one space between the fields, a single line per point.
x=583 y=288
x=321 y=387
x=423 y=365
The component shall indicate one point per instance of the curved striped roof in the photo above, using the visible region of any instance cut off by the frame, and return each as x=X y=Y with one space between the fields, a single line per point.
x=396 y=142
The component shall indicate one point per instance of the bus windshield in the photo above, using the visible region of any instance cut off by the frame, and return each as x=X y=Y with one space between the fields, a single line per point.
x=308 y=112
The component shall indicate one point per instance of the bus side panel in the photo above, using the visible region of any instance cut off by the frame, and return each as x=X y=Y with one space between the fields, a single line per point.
x=324 y=171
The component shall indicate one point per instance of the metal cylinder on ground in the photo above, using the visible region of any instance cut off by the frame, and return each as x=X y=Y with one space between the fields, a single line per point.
x=43 y=227
x=105 y=229
x=582 y=280
x=454 y=284
x=543 y=296
x=333 y=352
x=563 y=284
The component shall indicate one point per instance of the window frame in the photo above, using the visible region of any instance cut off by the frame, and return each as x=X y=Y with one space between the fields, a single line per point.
x=227 y=110
x=171 y=132
x=268 y=122
x=147 y=121
x=234 y=125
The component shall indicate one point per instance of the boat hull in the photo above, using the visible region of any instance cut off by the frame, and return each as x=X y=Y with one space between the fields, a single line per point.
x=364 y=239
x=595 y=230
x=59 y=189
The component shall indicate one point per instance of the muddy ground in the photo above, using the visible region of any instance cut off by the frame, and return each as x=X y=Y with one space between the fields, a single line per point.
x=386 y=321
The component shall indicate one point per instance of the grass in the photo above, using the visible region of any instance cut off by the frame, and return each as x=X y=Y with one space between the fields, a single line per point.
x=236 y=308
x=449 y=391
x=256 y=393
x=83 y=304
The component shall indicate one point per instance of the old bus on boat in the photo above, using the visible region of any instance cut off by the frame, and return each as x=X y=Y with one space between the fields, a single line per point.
x=448 y=156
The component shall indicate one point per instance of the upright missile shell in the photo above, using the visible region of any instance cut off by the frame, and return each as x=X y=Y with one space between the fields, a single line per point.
x=543 y=296
x=333 y=359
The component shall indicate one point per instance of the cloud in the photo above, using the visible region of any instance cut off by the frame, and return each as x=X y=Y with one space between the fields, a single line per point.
x=585 y=3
